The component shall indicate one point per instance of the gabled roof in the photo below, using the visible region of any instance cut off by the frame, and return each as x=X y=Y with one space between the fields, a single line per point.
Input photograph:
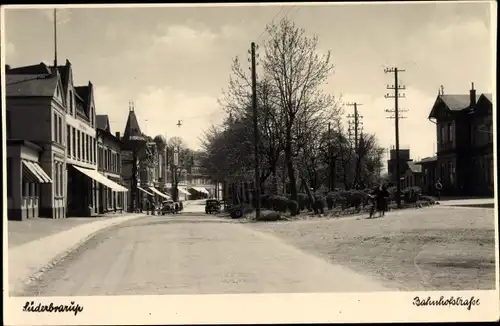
x=427 y=159
x=415 y=168
x=38 y=69
x=452 y=102
x=31 y=85
x=102 y=122
x=457 y=102
x=486 y=96
x=85 y=92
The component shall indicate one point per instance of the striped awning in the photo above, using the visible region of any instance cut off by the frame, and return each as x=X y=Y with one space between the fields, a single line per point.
x=159 y=193
x=33 y=172
x=183 y=190
x=145 y=191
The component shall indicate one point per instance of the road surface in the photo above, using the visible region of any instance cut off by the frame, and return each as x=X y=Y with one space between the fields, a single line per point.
x=192 y=253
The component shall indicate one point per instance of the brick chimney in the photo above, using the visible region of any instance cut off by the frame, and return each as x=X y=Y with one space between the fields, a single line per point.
x=472 y=97
x=117 y=135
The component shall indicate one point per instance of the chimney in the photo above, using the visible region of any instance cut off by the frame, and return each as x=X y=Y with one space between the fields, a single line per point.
x=117 y=135
x=472 y=97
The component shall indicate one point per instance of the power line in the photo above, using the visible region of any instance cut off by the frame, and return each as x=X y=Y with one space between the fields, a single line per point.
x=355 y=125
x=272 y=21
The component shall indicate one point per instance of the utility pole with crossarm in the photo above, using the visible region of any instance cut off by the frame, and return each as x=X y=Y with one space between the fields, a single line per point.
x=397 y=116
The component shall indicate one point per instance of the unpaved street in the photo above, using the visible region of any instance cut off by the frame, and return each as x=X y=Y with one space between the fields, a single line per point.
x=192 y=254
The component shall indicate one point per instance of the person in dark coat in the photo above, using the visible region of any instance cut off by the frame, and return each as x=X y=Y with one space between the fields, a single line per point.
x=384 y=200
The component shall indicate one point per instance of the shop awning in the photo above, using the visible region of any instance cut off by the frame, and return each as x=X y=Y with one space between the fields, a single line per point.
x=159 y=193
x=200 y=189
x=145 y=191
x=33 y=172
x=102 y=179
x=183 y=191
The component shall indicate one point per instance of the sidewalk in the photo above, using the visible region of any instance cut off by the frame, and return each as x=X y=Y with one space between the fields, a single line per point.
x=21 y=232
x=29 y=258
x=473 y=202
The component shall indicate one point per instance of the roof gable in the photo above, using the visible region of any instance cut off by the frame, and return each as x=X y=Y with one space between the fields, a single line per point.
x=31 y=85
x=102 y=122
x=38 y=69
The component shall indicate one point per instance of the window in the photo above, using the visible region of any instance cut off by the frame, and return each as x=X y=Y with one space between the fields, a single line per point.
x=73 y=140
x=119 y=163
x=59 y=130
x=68 y=140
x=54 y=128
x=87 y=147
x=441 y=134
x=78 y=145
x=9 y=177
x=450 y=132
x=8 y=123
x=71 y=102
x=95 y=150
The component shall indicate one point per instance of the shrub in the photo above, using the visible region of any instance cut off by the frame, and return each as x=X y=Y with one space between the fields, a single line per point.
x=293 y=207
x=319 y=205
x=355 y=198
x=412 y=194
x=279 y=203
x=428 y=199
x=269 y=216
x=303 y=201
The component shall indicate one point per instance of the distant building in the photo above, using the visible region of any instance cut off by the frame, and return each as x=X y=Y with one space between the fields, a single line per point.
x=464 y=125
x=429 y=175
x=404 y=160
x=113 y=196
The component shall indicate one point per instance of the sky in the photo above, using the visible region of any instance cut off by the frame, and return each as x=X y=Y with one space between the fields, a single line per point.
x=174 y=62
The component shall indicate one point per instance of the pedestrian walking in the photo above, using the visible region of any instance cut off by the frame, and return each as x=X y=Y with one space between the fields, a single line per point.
x=439 y=187
x=384 y=194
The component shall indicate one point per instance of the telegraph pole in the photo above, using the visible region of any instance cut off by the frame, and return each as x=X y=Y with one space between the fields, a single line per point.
x=255 y=132
x=396 y=96
x=355 y=124
x=331 y=162
x=355 y=130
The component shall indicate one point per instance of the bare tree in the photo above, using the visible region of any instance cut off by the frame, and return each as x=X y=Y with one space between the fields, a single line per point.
x=297 y=71
x=184 y=164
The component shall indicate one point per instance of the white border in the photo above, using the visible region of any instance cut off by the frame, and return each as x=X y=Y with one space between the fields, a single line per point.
x=249 y=308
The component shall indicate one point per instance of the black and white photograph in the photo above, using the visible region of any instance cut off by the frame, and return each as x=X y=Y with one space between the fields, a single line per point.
x=256 y=154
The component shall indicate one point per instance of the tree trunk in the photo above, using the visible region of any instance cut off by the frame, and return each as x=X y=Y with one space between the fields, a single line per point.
x=289 y=166
x=274 y=182
x=310 y=195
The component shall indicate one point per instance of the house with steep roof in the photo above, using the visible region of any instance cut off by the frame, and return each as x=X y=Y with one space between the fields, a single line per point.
x=464 y=125
x=36 y=151
x=109 y=163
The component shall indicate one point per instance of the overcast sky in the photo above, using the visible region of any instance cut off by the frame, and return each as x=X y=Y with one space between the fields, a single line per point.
x=174 y=62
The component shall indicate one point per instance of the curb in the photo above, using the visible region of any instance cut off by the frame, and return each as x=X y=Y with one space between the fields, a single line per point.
x=20 y=283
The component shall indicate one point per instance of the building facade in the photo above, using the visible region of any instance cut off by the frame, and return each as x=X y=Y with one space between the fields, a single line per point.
x=37 y=92
x=109 y=163
x=464 y=125
x=65 y=130
x=23 y=164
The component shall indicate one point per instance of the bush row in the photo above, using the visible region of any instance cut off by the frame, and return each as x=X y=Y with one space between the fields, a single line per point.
x=343 y=199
